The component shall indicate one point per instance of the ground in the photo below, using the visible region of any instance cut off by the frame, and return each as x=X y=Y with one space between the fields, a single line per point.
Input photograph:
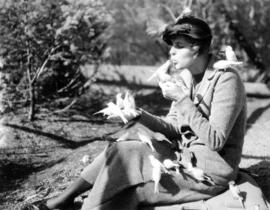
x=43 y=157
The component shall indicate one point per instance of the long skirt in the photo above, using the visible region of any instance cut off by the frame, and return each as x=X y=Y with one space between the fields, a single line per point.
x=122 y=177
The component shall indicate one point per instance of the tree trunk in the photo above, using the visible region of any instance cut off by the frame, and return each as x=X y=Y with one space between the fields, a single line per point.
x=31 y=113
x=32 y=110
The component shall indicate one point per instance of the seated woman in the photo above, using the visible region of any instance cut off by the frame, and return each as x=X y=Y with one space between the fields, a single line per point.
x=209 y=122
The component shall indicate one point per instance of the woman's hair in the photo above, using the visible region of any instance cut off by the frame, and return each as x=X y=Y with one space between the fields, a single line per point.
x=191 y=29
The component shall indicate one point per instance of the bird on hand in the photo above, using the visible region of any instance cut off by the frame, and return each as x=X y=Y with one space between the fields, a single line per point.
x=158 y=168
x=129 y=105
x=113 y=111
x=236 y=193
x=167 y=73
x=119 y=101
x=162 y=72
x=125 y=109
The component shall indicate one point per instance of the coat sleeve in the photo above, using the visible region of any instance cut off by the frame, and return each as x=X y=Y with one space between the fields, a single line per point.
x=227 y=102
x=167 y=125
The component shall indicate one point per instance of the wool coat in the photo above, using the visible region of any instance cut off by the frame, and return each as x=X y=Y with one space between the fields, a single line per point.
x=211 y=125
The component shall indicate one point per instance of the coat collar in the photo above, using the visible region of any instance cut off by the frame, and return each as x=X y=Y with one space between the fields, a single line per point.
x=206 y=81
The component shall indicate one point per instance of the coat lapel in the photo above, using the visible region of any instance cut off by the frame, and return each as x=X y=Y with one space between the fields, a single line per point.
x=206 y=81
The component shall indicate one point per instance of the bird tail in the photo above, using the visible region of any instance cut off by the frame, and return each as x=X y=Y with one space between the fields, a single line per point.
x=156 y=190
x=209 y=180
x=98 y=112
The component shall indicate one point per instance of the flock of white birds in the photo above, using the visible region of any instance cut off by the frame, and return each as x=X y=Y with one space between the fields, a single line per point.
x=125 y=109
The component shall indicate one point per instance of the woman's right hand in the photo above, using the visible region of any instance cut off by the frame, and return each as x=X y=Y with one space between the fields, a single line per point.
x=162 y=72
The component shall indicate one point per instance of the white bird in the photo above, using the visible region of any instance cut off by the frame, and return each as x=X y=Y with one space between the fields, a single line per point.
x=85 y=159
x=199 y=174
x=146 y=139
x=230 y=62
x=186 y=11
x=112 y=111
x=236 y=193
x=119 y=101
x=162 y=72
x=229 y=53
x=195 y=172
x=257 y=207
x=129 y=105
x=169 y=164
x=123 y=137
x=158 y=167
x=160 y=137
x=185 y=80
x=224 y=64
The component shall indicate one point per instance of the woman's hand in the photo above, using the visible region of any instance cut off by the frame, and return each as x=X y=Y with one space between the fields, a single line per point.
x=162 y=72
x=172 y=91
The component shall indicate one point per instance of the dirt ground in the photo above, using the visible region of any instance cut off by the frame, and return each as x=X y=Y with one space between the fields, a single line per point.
x=40 y=159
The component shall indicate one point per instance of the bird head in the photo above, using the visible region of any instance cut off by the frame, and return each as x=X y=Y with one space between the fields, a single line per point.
x=231 y=182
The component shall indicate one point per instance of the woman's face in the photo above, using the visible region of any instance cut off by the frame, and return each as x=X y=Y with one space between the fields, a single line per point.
x=182 y=54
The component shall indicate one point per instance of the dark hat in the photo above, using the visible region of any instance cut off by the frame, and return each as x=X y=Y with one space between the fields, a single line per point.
x=190 y=26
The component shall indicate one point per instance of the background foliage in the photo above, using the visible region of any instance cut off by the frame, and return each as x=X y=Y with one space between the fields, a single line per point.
x=242 y=24
x=44 y=43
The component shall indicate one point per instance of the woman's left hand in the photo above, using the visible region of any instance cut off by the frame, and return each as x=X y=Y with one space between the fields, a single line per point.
x=172 y=91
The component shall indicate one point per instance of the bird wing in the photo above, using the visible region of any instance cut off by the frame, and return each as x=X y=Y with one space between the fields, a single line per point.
x=112 y=111
x=145 y=138
x=119 y=100
x=223 y=64
x=156 y=173
x=129 y=101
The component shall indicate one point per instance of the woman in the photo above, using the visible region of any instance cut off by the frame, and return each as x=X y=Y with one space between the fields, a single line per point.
x=209 y=123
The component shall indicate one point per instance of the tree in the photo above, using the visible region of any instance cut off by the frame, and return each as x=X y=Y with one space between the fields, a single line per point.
x=242 y=24
x=39 y=36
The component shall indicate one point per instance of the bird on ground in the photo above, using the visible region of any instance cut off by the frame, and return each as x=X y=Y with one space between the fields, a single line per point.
x=158 y=168
x=146 y=139
x=85 y=159
x=257 y=207
x=236 y=193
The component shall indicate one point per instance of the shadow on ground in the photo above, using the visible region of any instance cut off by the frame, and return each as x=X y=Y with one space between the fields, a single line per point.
x=261 y=173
